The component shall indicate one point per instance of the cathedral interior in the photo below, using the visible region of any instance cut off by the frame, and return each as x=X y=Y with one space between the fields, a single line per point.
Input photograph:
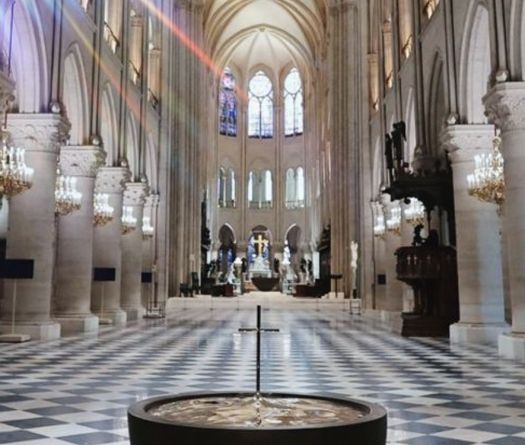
x=352 y=166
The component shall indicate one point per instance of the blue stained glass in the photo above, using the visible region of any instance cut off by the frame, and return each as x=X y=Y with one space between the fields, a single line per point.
x=228 y=105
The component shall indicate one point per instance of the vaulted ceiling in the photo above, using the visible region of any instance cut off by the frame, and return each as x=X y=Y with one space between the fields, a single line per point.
x=269 y=32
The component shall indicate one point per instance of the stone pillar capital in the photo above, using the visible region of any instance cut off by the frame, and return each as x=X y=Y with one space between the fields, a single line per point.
x=463 y=142
x=135 y=193
x=505 y=105
x=152 y=200
x=81 y=160
x=112 y=179
x=38 y=132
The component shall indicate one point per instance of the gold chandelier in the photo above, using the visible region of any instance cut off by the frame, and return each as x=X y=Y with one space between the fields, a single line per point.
x=102 y=211
x=129 y=222
x=415 y=212
x=67 y=198
x=147 y=229
x=15 y=176
x=487 y=183
x=393 y=222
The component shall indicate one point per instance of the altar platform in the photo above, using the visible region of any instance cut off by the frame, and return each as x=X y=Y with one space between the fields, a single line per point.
x=275 y=300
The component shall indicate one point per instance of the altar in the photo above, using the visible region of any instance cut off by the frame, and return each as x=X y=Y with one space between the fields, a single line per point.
x=260 y=267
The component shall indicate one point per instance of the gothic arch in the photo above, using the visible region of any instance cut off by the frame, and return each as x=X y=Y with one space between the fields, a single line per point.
x=377 y=168
x=151 y=163
x=436 y=104
x=410 y=119
x=132 y=146
x=476 y=66
x=108 y=125
x=75 y=95
x=29 y=59
x=517 y=40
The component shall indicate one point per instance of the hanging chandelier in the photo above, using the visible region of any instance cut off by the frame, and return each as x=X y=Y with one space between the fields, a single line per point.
x=67 y=198
x=147 y=229
x=393 y=223
x=379 y=226
x=129 y=222
x=415 y=212
x=15 y=176
x=487 y=183
x=102 y=211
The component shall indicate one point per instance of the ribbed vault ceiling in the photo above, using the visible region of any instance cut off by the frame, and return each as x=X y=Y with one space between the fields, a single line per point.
x=271 y=32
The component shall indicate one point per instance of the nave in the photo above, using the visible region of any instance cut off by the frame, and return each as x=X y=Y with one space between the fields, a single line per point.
x=76 y=390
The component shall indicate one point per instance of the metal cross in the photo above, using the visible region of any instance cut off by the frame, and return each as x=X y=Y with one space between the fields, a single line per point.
x=258 y=330
x=261 y=243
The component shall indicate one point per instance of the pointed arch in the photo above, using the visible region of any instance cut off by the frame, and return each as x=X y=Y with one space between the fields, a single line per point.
x=228 y=104
x=151 y=163
x=436 y=104
x=410 y=119
x=29 y=57
x=293 y=103
x=74 y=95
x=108 y=125
x=476 y=66
x=132 y=146
x=260 y=106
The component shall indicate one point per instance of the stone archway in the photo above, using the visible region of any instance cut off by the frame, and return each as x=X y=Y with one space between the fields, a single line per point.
x=227 y=250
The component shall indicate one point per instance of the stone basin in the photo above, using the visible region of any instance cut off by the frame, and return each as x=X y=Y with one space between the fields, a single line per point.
x=243 y=418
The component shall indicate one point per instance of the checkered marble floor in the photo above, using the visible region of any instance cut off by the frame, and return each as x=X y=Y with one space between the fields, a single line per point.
x=76 y=390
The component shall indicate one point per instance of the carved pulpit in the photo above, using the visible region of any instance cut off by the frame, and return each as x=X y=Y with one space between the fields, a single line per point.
x=432 y=274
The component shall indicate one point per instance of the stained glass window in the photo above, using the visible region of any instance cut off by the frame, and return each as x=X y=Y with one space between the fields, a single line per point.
x=293 y=104
x=260 y=106
x=227 y=105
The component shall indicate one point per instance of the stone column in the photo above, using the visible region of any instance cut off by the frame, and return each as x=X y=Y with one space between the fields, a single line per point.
x=505 y=106
x=31 y=233
x=480 y=280
x=131 y=285
x=74 y=260
x=107 y=247
x=344 y=25
x=149 y=256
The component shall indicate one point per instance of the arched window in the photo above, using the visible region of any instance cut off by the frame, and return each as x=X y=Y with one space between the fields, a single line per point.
x=222 y=187
x=154 y=62
x=230 y=189
x=250 y=188
x=293 y=104
x=226 y=188
x=268 y=189
x=300 y=187
x=227 y=105
x=113 y=23
x=290 y=188
x=295 y=189
x=260 y=107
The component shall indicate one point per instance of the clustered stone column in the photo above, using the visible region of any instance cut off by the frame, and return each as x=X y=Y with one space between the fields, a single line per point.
x=131 y=285
x=480 y=280
x=345 y=86
x=31 y=233
x=505 y=106
x=107 y=247
x=74 y=259
x=188 y=146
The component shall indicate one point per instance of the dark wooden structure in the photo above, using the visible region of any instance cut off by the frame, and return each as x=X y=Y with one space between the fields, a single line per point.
x=432 y=274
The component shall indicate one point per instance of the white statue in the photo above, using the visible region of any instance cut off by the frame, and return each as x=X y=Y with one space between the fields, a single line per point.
x=354 y=247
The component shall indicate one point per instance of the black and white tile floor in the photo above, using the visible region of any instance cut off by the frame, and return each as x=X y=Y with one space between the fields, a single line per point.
x=76 y=390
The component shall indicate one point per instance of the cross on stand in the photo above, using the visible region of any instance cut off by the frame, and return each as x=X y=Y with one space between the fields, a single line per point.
x=261 y=243
x=258 y=330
